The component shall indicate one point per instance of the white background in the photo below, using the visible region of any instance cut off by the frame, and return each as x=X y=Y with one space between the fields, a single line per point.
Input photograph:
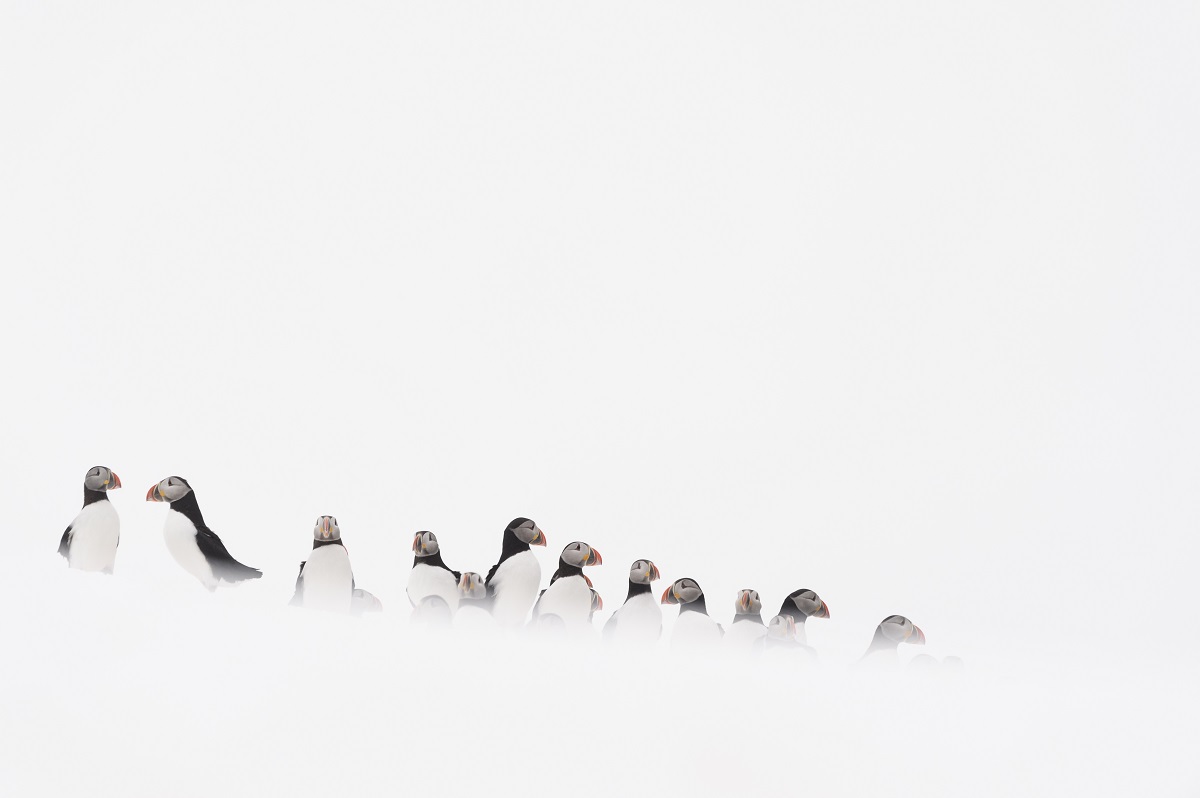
x=895 y=301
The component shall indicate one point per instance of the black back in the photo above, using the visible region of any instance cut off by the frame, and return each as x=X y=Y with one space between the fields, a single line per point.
x=511 y=545
x=223 y=564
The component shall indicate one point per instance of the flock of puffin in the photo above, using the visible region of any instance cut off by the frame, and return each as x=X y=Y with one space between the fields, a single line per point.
x=508 y=596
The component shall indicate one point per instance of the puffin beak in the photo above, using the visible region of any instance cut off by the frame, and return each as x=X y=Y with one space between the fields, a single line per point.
x=539 y=539
x=594 y=558
x=744 y=600
x=654 y=572
x=116 y=481
x=599 y=602
x=416 y=541
x=668 y=596
x=154 y=495
x=326 y=527
x=824 y=611
x=464 y=582
x=917 y=638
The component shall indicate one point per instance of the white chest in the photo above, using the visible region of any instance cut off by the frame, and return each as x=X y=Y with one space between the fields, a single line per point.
x=569 y=598
x=638 y=620
x=429 y=580
x=180 y=536
x=695 y=629
x=743 y=634
x=94 y=535
x=328 y=580
x=516 y=585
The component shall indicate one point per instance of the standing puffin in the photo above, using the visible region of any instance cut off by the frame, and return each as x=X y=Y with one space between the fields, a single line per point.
x=325 y=581
x=747 y=627
x=693 y=627
x=891 y=632
x=430 y=577
x=800 y=605
x=639 y=620
x=570 y=593
x=90 y=541
x=512 y=583
x=194 y=546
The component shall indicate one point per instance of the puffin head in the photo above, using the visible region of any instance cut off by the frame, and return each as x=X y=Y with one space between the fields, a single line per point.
x=898 y=629
x=327 y=529
x=470 y=586
x=682 y=591
x=748 y=603
x=580 y=554
x=526 y=531
x=171 y=489
x=101 y=478
x=643 y=572
x=782 y=628
x=425 y=544
x=807 y=603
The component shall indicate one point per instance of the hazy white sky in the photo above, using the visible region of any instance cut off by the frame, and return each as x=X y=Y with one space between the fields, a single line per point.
x=895 y=301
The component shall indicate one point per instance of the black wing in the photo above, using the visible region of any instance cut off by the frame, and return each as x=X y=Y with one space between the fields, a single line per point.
x=222 y=562
x=64 y=545
x=298 y=596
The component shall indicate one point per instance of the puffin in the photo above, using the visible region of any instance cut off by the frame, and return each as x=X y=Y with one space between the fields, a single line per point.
x=693 y=627
x=430 y=577
x=891 y=632
x=194 y=546
x=512 y=583
x=325 y=581
x=570 y=593
x=780 y=643
x=747 y=627
x=90 y=541
x=800 y=605
x=639 y=620
x=472 y=603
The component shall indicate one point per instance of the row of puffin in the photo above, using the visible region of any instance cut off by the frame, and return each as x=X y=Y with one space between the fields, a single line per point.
x=508 y=595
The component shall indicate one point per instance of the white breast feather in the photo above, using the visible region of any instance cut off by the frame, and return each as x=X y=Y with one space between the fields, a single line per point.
x=516 y=586
x=180 y=536
x=328 y=580
x=569 y=598
x=639 y=620
x=94 y=535
x=429 y=580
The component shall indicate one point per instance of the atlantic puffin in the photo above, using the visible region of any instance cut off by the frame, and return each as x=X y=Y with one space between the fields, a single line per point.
x=747 y=627
x=693 y=627
x=325 y=581
x=639 y=620
x=194 y=546
x=800 y=605
x=569 y=595
x=473 y=603
x=512 y=583
x=891 y=632
x=90 y=541
x=430 y=576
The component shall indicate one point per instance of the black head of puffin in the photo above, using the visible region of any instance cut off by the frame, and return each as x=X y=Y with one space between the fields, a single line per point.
x=899 y=629
x=808 y=603
x=327 y=529
x=101 y=478
x=471 y=586
x=526 y=531
x=643 y=572
x=682 y=591
x=171 y=489
x=580 y=554
x=425 y=544
x=748 y=602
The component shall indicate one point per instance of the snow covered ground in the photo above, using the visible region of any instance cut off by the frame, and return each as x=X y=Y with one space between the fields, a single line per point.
x=892 y=301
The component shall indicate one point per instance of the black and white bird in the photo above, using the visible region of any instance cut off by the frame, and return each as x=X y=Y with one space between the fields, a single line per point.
x=891 y=632
x=693 y=628
x=513 y=582
x=325 y=581
x=639 y=620
x=747 y=627
x=194 y=546
x=473 y=611
x=570 y=593
x=430 y=577
x=800 y=605
x=90 y=541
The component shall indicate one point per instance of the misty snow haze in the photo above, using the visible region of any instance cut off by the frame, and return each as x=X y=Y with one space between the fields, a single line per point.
x=892 y=301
